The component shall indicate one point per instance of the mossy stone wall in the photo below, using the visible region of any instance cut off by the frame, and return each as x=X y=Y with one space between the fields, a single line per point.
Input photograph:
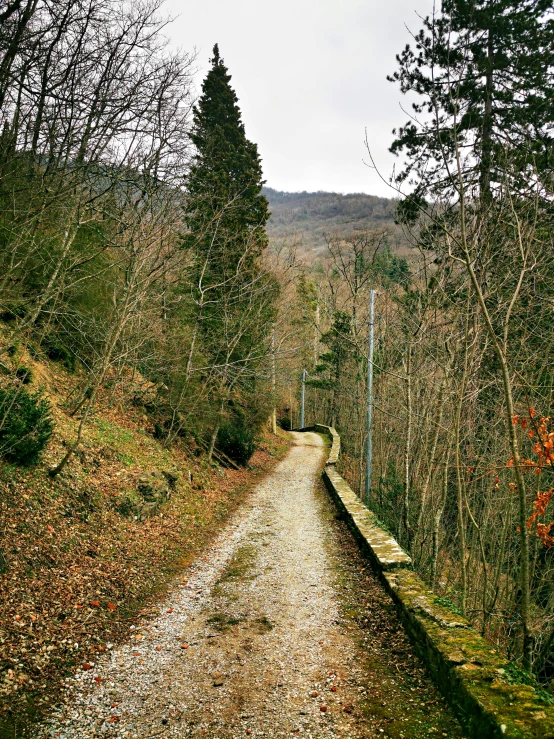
x=470 y=673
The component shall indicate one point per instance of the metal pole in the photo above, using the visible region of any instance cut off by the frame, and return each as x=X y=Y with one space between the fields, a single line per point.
x=304 y=373
x=274 y=384
x=290 y=398
x=369 y=443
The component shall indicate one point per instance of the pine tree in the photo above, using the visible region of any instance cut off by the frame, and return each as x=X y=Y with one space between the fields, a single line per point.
x=484 y=74
x=480 y=147
x=332 y=363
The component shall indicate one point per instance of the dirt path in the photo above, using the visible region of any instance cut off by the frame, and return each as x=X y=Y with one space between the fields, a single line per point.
x=280 y=630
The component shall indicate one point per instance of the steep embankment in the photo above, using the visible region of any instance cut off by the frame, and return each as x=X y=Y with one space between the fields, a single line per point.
x=77 y=563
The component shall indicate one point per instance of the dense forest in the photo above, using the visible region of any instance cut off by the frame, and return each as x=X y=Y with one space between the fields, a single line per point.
x=145 y=270
x=136 y=307
x=462 y=430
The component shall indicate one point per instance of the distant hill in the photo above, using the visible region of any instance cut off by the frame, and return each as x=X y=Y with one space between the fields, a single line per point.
x=309 y=216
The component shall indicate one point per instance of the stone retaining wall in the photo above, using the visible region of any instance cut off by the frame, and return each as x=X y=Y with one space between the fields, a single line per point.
x=470 y=673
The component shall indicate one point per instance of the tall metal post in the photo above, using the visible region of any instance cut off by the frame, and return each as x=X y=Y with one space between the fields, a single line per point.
x=369 y=441
x=291 y=425
x=304 y=373
x=274 y=384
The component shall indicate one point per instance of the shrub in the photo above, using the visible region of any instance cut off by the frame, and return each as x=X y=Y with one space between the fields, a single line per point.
x=58 y=353
x=24 y=374
x=159 y=431
x=11 y=314
x=25 y=425
x=236 y=441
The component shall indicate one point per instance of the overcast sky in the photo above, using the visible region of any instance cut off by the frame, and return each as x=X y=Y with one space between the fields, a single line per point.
x=310 y=76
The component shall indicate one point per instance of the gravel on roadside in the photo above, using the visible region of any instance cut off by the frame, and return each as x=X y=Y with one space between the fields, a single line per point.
x=280 y=629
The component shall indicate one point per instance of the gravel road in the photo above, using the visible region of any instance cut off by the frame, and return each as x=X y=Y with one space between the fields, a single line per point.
x=266 y=635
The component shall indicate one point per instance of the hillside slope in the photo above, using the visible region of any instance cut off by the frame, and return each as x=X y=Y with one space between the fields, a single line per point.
x=81 y=555
x=308 y=217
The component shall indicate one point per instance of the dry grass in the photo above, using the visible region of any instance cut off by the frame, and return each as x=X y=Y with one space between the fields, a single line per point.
x=76 y=571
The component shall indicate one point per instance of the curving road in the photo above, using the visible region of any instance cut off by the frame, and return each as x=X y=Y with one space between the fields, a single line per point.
x=280 y=630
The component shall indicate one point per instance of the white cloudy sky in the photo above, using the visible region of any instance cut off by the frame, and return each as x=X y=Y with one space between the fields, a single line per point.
x=310 y=76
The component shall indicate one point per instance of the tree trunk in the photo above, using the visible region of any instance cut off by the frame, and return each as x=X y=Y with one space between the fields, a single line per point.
x=407 y=451
x=437 y=521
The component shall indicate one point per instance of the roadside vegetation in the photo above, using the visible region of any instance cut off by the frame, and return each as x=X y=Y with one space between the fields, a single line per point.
x=136 y=310
x=86 y=555
x=149 y=338
x=463 y=386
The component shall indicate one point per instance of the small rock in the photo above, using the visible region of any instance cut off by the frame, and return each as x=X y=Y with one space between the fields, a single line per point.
x=172 y=477
x=153 y=487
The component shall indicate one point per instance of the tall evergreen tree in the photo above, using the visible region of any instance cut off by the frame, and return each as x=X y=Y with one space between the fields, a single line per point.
x=331 y=366
x=480 y=148
x=484 y=74
x=226 y=212
x=225 y=217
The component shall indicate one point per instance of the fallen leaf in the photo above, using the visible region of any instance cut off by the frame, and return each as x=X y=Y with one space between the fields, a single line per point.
x=323 y=708
x=86 y=666
x=112 y=606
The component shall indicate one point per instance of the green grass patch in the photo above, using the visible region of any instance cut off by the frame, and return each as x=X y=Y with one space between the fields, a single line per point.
x=130 y=447
x=222 y=622
x=240 y=565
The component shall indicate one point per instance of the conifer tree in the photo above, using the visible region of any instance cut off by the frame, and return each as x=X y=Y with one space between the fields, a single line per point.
x=332 y=363
x=226 y=212
x=225 y=217
x=480 y=150
x=484 y=74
